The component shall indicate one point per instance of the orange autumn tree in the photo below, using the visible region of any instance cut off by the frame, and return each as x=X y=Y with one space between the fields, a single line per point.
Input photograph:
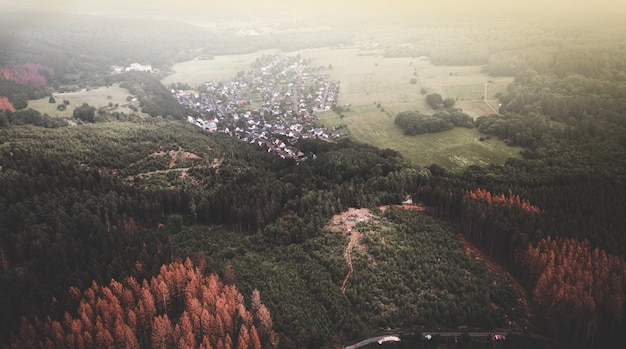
x=5 y=104
x=503 y=199
x=178 y=308
x=28 y=73
x=579 y=290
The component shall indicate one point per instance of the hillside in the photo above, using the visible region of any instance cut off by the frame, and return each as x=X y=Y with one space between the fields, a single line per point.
x=273 y=222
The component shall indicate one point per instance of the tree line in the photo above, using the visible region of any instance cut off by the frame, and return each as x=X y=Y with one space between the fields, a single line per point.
x=414 y=122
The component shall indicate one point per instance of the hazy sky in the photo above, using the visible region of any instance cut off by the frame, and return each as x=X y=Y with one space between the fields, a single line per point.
x=332 y=12
x=360 y=7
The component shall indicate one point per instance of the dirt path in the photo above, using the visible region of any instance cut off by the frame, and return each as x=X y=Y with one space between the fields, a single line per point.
x=344 y=223
x=348 y=256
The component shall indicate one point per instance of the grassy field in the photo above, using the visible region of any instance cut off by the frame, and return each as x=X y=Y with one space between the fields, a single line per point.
x=454 y=149
x=221 y=68
x=369 y=79
x=99 y=97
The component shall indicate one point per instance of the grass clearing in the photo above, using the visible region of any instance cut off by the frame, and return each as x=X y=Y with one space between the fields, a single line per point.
x=454 y=149
x=221 y=68
x=98 y=97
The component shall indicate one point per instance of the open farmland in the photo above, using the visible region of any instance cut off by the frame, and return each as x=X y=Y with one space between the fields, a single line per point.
x=367 y=77
x=220 y=68
x=98 y=97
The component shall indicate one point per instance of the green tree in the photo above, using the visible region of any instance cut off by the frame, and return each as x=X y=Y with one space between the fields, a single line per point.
x=192 y=210
x=434 y=100
x=85 y=112
x=449 y=102
x=19 y=100
x=174 y=223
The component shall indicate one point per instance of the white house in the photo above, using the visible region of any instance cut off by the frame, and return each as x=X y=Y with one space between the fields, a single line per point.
x=139 y=67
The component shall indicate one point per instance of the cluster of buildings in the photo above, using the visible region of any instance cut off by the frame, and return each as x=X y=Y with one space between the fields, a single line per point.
x=132 y=67
x=273 y=105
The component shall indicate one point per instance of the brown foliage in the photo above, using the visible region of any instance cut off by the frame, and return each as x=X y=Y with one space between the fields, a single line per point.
x=178 y=307
x=5 y=104
x=575 y=288
x=27 y=73
x=511 y=200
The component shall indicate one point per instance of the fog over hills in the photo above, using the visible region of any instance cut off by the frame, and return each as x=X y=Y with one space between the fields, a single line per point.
x=333 y=10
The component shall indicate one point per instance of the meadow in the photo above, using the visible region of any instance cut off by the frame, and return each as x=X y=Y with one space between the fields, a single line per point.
x=454 y=149
x=367 y=77
x=220 y=68
x=97 y=97
x=375 y=88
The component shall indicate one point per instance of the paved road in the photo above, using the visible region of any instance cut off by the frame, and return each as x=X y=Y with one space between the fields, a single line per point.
x=459 y=334
x=368 y=341
x=432 y=334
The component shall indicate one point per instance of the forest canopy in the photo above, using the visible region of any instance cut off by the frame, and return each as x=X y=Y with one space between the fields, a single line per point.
x=414 y=123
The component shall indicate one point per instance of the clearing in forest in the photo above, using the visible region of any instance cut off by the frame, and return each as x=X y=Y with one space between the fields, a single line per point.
x=345 y=222
x=97 y=97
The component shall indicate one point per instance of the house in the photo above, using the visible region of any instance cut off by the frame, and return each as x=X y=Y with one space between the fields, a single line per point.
x=296 y=127
x=210 y=126
x=139 y=67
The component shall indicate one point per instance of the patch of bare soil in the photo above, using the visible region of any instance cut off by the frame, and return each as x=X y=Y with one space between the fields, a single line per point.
x=344 y=223
x=175 y=155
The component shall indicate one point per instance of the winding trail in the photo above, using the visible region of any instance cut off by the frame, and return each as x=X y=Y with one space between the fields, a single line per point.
x=354 y=237
x=344 y=224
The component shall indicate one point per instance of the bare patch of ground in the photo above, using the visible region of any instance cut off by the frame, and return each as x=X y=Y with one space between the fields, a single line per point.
x=177 y=160
x=344 y=223
x=175 y=154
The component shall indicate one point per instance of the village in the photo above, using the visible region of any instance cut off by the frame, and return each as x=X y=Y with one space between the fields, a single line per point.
x=273 y=105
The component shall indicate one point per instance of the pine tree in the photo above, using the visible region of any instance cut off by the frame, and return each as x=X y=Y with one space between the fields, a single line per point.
x=161 y=332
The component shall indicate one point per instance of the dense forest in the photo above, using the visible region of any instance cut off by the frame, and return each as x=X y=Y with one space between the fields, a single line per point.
x=145 y=231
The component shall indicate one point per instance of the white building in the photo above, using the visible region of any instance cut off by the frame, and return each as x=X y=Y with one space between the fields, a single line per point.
x=139 y=67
